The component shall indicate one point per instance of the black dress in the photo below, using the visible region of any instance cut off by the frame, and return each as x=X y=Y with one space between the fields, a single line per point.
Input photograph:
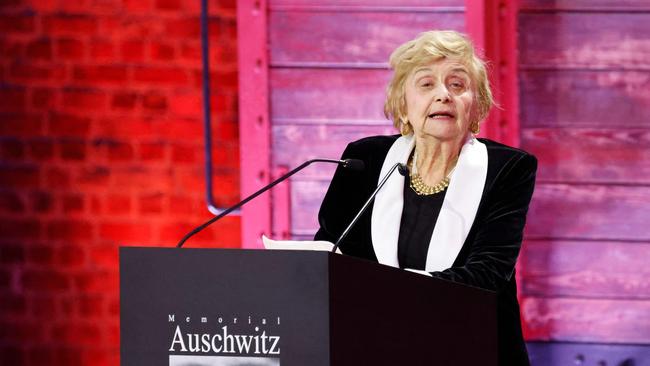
x=488 y=255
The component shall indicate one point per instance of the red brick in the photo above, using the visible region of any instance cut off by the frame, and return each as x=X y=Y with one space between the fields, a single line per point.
x=17 y=23
x=182 y=205
x=160 y=51
x=83 y=334
x=168 y=4
x=132 y=50
x=44 y=280
x=40 y=355
x=117 y=204
x=22 y=176
x=73 y=150
x=126 y=128
x=126 y=232
x=68 y=125
x=151 y=204
x=12 y=99
x=11 y=202
x=184 y=154
x=12 y=305
x=11 y=355
x=69 y=49
x=11 y=149
x=119 y=151
x=70 y=256
x=95 y=176
x=183 y=28
x=190 y=105
x=91 y=306
x=154 y=101
x=12 y=49
x=73 y=203
x=41 y=202
x=70 y=230
x=57 y=178
x=37 y=74
x=78 y=99
x=137 y=6
x=42 y=98
x=123 y=100
x=41 y=149
x=161 y=75
x=183 y=129
x=39 y=49
x=104 y=255
x=12 y=254
x=154 y=151
x=68 y=24
x=20 y=124
x=108 y=74
x=99 y=281
x=39 y=255
x=101 y=50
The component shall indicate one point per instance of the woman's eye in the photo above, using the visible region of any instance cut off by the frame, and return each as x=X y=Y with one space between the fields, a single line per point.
x=457 y=85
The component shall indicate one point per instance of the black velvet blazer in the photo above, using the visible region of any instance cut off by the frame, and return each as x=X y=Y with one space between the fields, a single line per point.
x=487 y=258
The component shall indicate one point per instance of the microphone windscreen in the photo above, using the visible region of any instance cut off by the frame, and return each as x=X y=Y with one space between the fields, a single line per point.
x=354 y=164
x=403 y=170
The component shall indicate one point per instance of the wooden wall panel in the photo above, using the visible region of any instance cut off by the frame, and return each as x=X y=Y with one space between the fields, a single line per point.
x=341 y=5
x=605 y=155
x=349 y=38
x=328 y=94
x=306 y=197
x=589 y=211
x=585 y=5
x=585 y=40
x=585 y=269
x=586 y=320
x=295 y=143
x=584 y=98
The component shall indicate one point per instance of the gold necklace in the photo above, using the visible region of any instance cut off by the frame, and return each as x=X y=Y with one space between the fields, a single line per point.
x=421 y=188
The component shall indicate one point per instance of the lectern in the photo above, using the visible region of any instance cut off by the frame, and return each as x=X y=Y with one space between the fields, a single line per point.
x=295 y=308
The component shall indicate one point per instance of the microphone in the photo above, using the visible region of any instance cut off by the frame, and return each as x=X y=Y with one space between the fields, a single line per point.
x=403 y=170
x=353 y=164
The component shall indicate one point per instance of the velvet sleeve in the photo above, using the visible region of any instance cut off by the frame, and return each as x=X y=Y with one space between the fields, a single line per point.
x=496 y=236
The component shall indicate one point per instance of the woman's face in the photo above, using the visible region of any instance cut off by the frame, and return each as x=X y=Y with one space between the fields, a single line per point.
x=440 y=100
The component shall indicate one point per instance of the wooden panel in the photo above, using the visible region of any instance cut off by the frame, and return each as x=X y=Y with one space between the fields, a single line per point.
x=328 y=94
x=586 y=320
x=572 y=98
x=367 y=3
x=294 y=143
x=585 y=39
x=587 y=354
x=306 y=197
x=331 y=37
x=589 y=212
x=585 y=5
x=585 y=269
x=605 y=155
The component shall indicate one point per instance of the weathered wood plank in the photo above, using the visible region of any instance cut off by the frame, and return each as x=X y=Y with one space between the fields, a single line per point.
x=599 y=354
x=584 y=98
x=328 y=93
x=293 y=144
x=368 y=3
x=334 y=37
x=586 y=320
x=584 y=39
x=585 y=5
x=604 y=155
x=589 y=269
x=601 y=212
x=306 y=197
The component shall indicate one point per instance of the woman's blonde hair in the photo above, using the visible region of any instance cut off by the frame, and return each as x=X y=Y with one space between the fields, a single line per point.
x=426 y=48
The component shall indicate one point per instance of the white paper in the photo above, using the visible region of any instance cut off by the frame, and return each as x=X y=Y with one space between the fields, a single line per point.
x=419 y=271
x=321 y=245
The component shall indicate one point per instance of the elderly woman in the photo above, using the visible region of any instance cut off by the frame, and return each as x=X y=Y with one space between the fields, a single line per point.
x=460 y=212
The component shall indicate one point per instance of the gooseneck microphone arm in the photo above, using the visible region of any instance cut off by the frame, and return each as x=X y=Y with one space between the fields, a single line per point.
x=353 y=164
x=402 y=170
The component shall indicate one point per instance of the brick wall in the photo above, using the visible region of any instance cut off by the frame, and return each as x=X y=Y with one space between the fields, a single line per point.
x=101 y=145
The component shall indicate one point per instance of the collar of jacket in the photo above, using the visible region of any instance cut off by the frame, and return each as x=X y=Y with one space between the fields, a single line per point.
x=456 y=215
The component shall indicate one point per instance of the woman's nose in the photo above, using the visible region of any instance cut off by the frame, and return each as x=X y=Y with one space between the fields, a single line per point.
x=441 y=94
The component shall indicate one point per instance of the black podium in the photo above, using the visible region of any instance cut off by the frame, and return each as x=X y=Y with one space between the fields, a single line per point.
x=294 y=308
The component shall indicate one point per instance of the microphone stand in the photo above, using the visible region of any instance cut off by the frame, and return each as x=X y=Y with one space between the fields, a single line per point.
x=352 y=163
